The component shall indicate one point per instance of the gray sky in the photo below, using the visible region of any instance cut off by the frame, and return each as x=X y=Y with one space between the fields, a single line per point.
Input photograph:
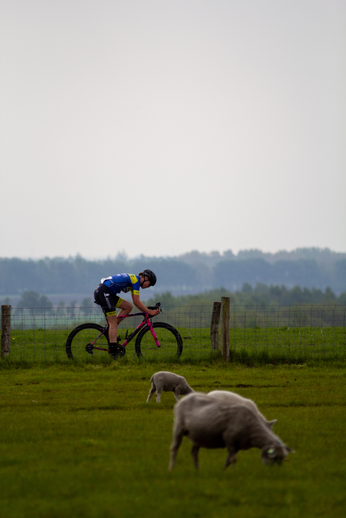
x=159 y=127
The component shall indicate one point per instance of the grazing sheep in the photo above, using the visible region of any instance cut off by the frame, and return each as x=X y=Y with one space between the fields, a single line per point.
x=233 y=397
x=168 y=381
x=212 y=423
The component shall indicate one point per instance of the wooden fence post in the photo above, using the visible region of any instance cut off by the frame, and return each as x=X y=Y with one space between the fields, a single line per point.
x=225 y=313
x=214 y=327
x=5 y=330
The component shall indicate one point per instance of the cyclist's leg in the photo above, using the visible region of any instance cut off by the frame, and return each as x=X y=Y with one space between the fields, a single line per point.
x=112 y=317
x=108 y=303
x=125 y=308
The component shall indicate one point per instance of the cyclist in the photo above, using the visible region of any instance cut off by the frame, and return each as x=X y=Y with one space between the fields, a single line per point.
x=106 y=296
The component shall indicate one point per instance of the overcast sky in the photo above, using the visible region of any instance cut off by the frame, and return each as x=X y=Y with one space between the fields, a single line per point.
x=158 y=127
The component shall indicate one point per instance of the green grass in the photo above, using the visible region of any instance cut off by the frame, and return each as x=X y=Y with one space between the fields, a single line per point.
x=79 y=440
x=247 y=345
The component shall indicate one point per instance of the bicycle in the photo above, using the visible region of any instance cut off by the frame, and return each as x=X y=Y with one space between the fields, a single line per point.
x=82 y=342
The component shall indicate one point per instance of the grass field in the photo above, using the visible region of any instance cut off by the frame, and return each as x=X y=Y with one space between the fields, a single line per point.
x=79 y=440
x=248 y=345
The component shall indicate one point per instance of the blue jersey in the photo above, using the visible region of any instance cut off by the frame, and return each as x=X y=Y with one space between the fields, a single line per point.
x=122 y=282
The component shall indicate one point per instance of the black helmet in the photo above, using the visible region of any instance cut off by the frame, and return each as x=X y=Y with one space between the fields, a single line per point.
x=151 y=276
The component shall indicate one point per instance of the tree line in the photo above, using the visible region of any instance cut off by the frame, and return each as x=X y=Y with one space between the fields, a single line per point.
x=188 y=274
x=260 y=295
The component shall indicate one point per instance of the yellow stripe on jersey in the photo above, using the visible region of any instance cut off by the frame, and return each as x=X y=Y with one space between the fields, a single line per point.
x=135 y=292
x=133 y=278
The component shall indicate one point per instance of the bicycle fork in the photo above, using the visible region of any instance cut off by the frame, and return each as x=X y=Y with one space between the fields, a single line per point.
x=136 y=331
x=150 y=325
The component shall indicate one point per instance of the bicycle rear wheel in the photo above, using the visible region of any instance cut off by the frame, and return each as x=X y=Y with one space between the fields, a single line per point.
x=79 y=338
x=171 y=343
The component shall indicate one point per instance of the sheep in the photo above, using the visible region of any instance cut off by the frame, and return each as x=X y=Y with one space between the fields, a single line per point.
x=168 y=381
x=212 y=423
x=233 y=397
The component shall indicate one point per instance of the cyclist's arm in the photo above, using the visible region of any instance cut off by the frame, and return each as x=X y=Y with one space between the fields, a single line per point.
x=139 y=304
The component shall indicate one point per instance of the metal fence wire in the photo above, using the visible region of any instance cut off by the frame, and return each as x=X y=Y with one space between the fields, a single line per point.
x=271 y=332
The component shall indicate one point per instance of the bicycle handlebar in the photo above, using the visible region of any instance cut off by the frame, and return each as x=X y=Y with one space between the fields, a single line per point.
x=157 y=306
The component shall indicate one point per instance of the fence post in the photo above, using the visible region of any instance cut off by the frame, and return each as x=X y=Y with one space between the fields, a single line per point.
x=5 y=330
x=214 y=327
x=225 y=308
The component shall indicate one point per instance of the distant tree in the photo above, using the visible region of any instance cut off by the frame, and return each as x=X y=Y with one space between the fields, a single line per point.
x=277 y=291
x=201 y=299
x=233 y=274
x=33 y=300
x=165 y=298
x=342 y=298
x=61 y=308
x=340 y=274
x=189 y=273
x=72 y=308
x=86 y=304
x=250 y=254
x=261 y=295
x=247 y=288
x=171 y=274
x=228 y=255
x=330 y=295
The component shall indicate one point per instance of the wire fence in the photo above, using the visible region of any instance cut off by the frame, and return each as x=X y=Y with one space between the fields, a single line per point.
x=270 y=333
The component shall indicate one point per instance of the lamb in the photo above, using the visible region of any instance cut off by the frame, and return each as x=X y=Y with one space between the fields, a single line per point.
x=233 y=397
x=168 y=381
x=212 y=423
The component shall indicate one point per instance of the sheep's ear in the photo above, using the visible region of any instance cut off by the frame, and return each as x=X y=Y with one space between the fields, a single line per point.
x=289 y=449
x=271 y=423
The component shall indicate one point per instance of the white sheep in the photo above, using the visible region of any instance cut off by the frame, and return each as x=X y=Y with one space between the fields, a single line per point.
x=212 y=423
x=233 y=397
x=168 y=381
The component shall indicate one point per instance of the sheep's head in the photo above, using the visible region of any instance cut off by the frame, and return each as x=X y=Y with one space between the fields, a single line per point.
x=274 y=454
x=270 y=424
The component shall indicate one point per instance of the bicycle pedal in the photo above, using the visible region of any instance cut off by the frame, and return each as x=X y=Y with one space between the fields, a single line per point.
x=120 y=350
x=117 y=351
x=89 y=348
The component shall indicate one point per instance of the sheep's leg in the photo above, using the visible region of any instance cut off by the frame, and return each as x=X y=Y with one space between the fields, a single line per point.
x=231 y=458
x=158 y=395
x=151 y=392
x=194 y=453
x=176 y=394
x=176 y=442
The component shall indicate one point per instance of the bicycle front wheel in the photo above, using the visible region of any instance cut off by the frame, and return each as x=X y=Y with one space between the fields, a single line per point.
x=80 y=339
x=171 y=343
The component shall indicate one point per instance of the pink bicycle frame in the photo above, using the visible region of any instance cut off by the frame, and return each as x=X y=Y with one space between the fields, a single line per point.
x=145 y=321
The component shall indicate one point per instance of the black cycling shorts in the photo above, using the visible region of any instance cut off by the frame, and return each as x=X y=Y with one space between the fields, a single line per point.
x=108 y=302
